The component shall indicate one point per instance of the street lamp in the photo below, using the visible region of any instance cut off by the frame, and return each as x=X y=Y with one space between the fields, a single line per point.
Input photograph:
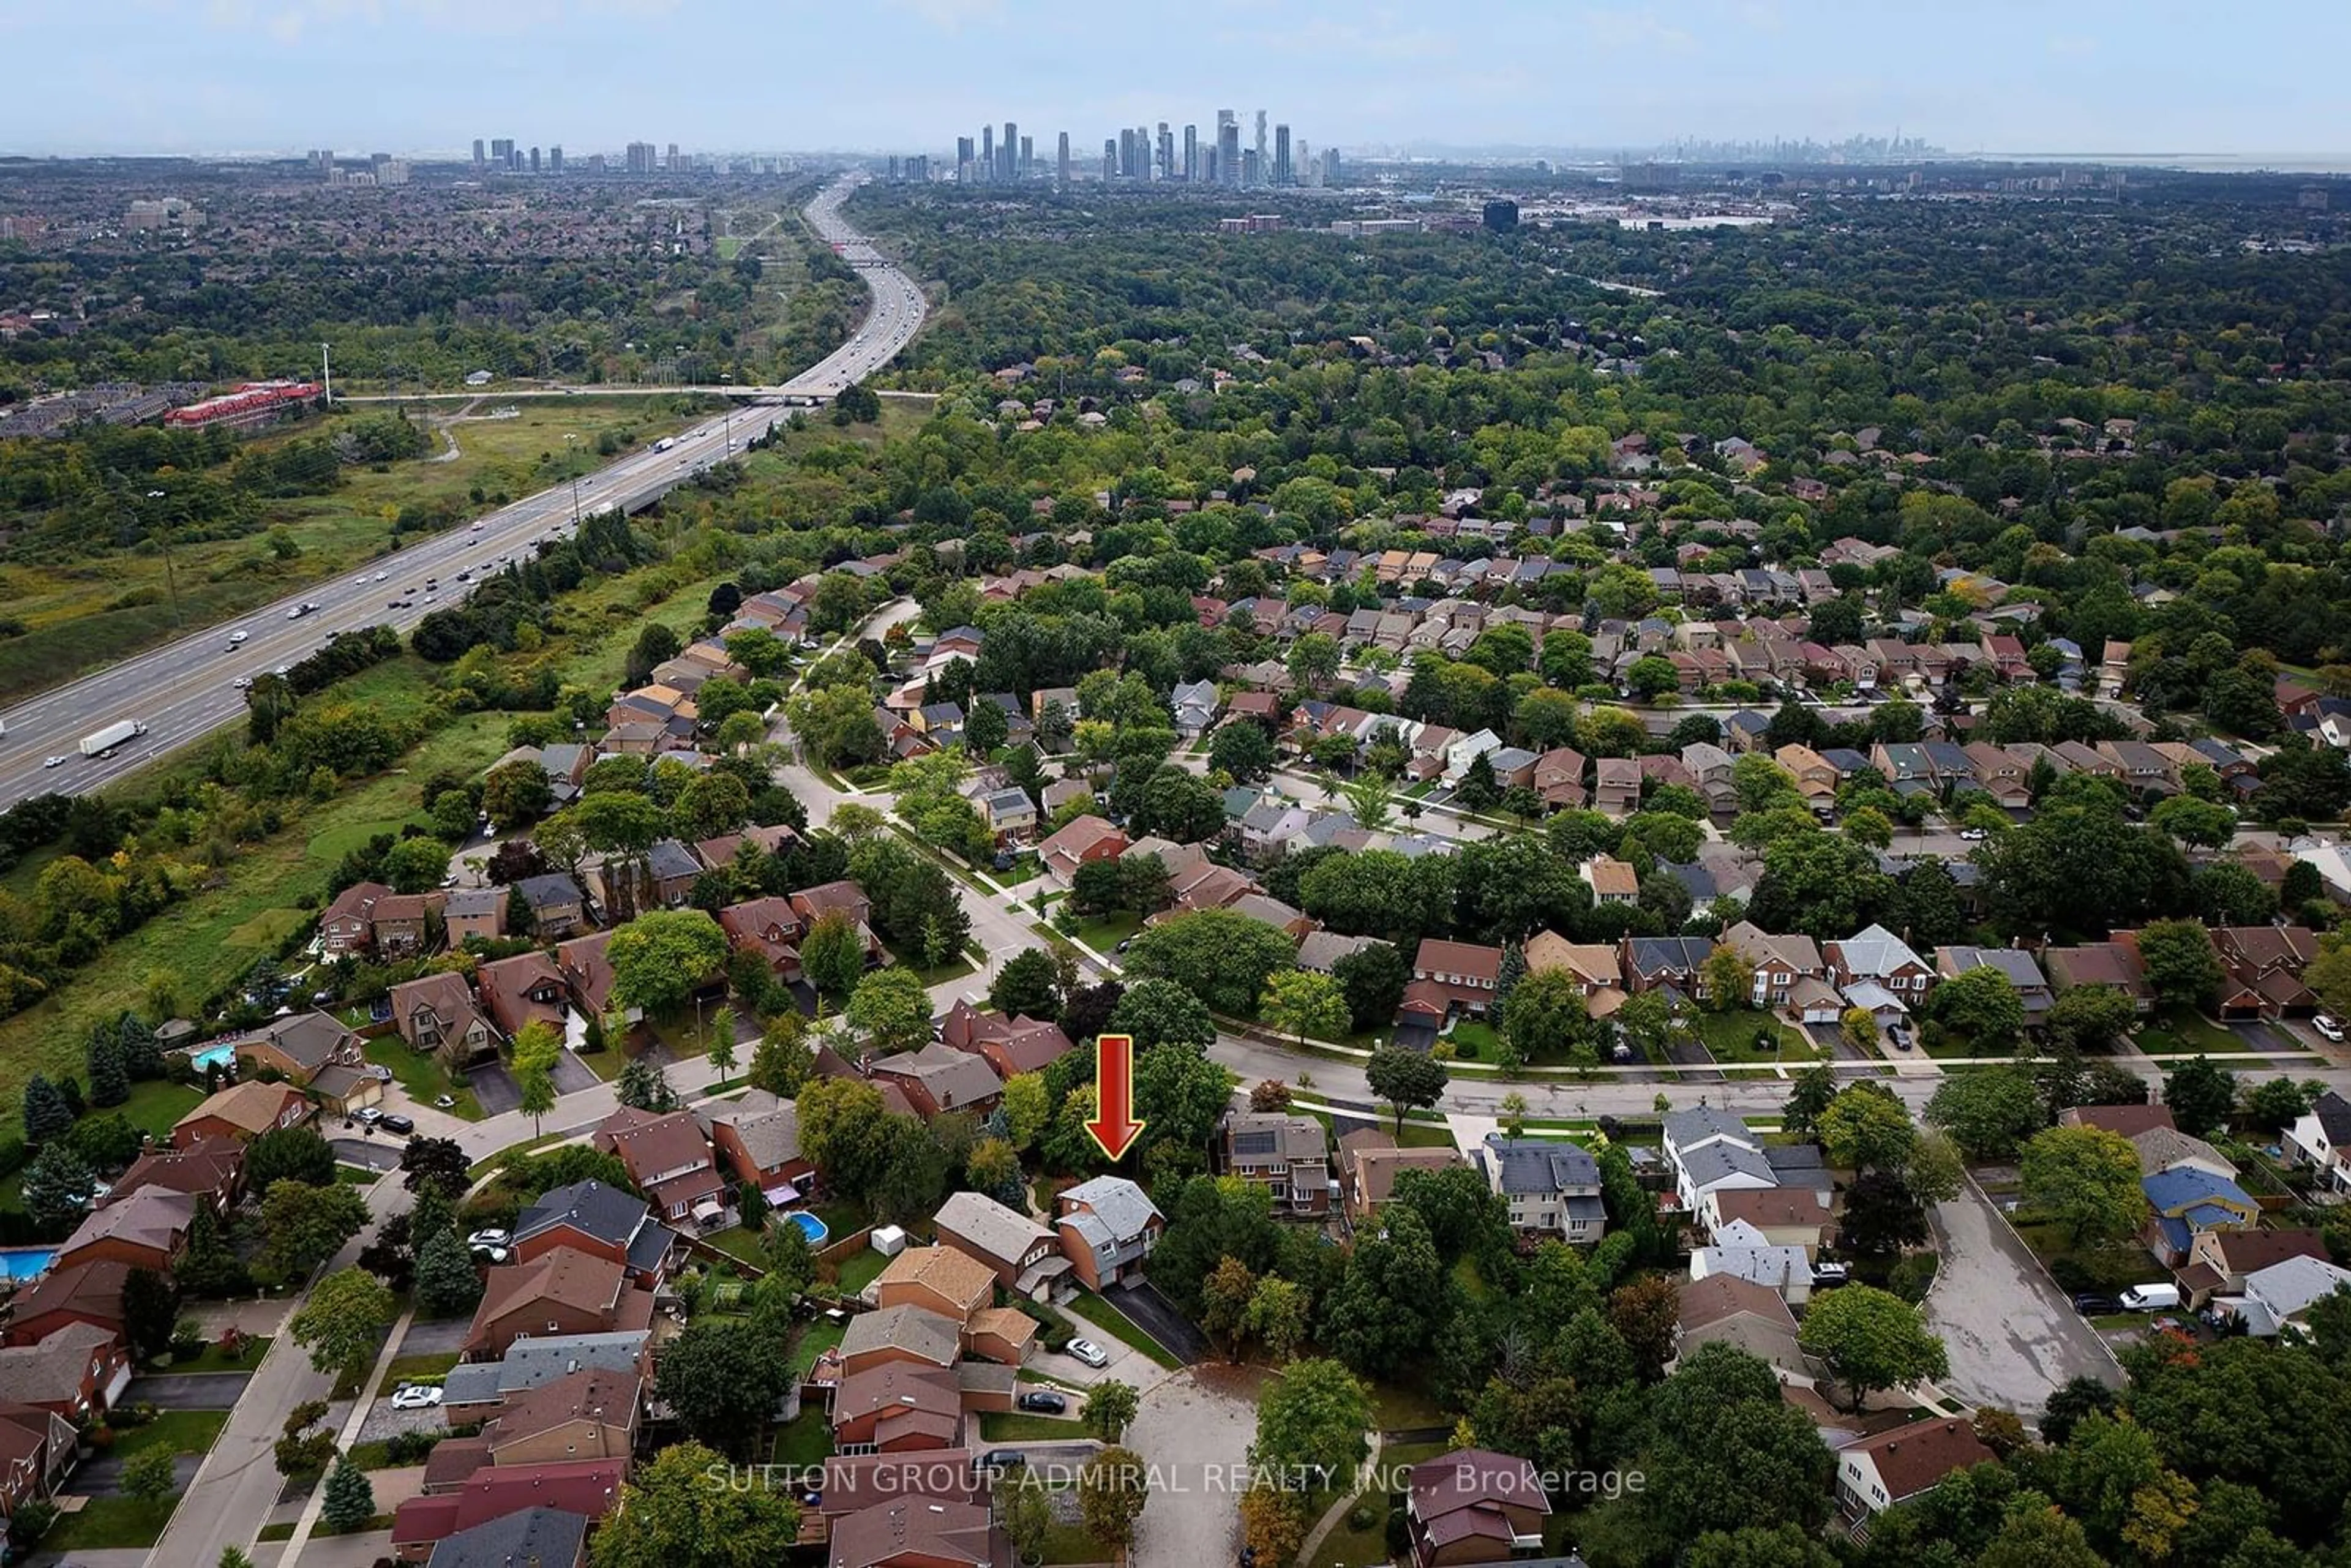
x=728 y=413
x=164 y=537
x=570 y=443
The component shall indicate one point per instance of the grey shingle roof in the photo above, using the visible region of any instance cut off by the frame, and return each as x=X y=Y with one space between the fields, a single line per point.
x=1533 y=1165
x=1119 y=1202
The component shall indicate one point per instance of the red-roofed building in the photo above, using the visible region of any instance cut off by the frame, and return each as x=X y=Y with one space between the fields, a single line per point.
x=1475 y=1506
x=1876 y=1473
x=590 y=1487
x=667 y=1156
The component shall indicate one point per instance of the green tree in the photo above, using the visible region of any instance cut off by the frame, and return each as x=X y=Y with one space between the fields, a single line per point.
x=1302 y=1002
x=151 y=1309
x=1110 y=1409
x=289 y=1154
x=832 y=955
x=45 y=1113
x=302 y=1226
x=146 y=1476
x=2089 y=1019
x=2180 y=965
x=447 y=1280
x=1277 y=1316
x=415 y=865
x=670 y=1516
x=1027 y=985
x=350 y=1497
x=1112 y=1487
x=1990 y=1112
x=1223 y=958
x=1242 y=749
x=54 y=1189
x=2087 y=1180
x=534 y=1090
x=1370 y=798
x=892 y=1010
x=1982 y=1005
x=341 y=1321
x=723 y=1378
x=1373 y=980
x=1546 y=1021
x=1406 y=1080
x=1872 y=1341
x=1313 y=1420
x=2201 y=1096
x=1866 y=1128
x=660 y=957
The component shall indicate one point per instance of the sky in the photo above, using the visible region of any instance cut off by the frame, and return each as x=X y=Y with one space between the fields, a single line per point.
x=420 y=77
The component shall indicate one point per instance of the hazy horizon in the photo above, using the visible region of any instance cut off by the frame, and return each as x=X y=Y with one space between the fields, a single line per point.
x=259 y=78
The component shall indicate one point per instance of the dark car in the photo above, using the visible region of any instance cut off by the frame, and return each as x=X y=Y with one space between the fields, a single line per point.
x=2092 y=1304
x=1043 y=1399
x=394 y=1123
x=1004 y=1459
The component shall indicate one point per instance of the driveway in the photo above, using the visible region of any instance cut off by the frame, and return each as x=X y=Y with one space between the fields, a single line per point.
x=1160 y=1320
x=2013 y=1337
x=436 y=1336
x=1195 y=1429
x=568 y=1074
x=1127 y=1364
x=188 y=1390
x=494 y=1089
x=102 y=1476
x=367 y=1152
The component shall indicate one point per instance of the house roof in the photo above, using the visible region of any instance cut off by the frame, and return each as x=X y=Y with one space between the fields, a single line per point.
x=771 y=1137
x=954 y=1078
x=1461 y=1495
x=1275 y=1135
x=51 y=1372
x=2162 y=1148
x=1076 y=838
x=205 y=1166
x=2130 y=1120
x=528 y=1363
x=307 y=1039
x=925 y=1334
x=989 y=1225
x=1593 y=963
x=2185 y=1187
x=951 y=1275
x=651 y=1144
x=2288 y=1286
x=252 y=1106
x=931 y=1530
x=1912 y=1458
x=150 y=1217
x=1533 y=1165
x=1718 y=1297
x=1118 y=1201
x=591 y=1207
x=1773 y=1206
x=566 y=1275
x=600 y=1394
x=1876 y=951
x=551 y=1536
x=94 y=1290
x=1470 y=959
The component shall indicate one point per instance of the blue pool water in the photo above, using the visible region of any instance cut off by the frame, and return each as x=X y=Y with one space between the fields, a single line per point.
x=811 y=1227
x=222 y=1056
x=19 y=1264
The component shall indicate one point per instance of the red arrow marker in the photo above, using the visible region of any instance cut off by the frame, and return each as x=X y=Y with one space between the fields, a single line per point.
x=1113 y=1127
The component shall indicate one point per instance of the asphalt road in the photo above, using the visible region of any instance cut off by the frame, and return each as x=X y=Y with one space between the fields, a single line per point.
x=184 y=690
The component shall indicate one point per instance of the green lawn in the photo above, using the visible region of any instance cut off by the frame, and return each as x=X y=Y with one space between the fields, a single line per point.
x=212 y=1360
x=931 y=975
x=1104 y=933
x=118 y=1523
x=337 y=841
x=1120 y=1327
x=1024 y=869
x=1731 y=1038
x=1403 y=1406
x=806 y=1439
x=738 y=1243
x=1473 y=1041
x=266 y=930
x=1346 y=1548
x=156 y=1104
x=415 y=1369
x=1020 y=1426
x=860 y=1269
x=820 y=1335
x=420 y=1073
x=2175 y=1030
x=1069 y=1543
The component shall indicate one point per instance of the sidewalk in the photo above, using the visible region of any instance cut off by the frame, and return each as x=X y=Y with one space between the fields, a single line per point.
x=348 y=1436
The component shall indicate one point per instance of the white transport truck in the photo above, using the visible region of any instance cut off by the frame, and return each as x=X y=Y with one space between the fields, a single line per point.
x=98 y=742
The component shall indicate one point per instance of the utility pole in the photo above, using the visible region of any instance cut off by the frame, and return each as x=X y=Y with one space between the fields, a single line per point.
x=327 y=374
x=164 y=537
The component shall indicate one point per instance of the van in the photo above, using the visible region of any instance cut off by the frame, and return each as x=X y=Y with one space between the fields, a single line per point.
x=2150 y=1298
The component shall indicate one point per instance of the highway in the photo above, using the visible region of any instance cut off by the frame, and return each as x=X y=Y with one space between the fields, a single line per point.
x=185 y=690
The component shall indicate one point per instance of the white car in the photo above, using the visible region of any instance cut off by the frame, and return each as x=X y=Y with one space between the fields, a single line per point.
x=235 y=638
x=53 y=762
x=243 y=682
x=491 y=1238
x=2326 y=1025
x=1090 y=1352
x=476 y=527
x=1975 y=836
x=416 y=1396
x=381 y=575
x=369 y=1114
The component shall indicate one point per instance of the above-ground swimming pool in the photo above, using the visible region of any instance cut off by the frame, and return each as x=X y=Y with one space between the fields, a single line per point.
x=20 y=1264
x=811 y=1227
x=221 y=1056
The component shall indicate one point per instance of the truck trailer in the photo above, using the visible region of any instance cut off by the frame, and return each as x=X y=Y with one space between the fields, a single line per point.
x=100 y=742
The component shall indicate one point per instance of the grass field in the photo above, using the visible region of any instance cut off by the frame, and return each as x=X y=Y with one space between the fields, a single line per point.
x=1020 y=1426
x=107 y=1523
x=818 y=1337
x=82 y=614
x=806 y=1439
x=212 y=1360
x=422 y=1074
x=1119 y=1327
x=2182 y=1029
x=1731 y=1038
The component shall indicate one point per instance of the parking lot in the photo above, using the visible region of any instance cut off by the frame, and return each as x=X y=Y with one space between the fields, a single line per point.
x=2013 y=1336
x=1194 y=1427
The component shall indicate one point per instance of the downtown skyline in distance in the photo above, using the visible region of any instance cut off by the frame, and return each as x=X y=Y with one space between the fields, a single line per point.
x=2102 y=78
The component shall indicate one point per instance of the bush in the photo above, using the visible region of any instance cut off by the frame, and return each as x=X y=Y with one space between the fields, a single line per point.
x=1363 y=1516
x=1058 y=1329
x=412 y=1448
x=1911 y=1278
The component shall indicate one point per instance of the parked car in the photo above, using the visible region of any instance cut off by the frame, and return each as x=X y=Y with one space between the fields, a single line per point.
x=416 y=1396
x=1044 y=1400
x=1974 y=835
x=1090 y=1352
x=2326 y=1025
x=394 y=1123
x=369 y=1114
x=2151 y=1297
x=2096 y=1304
x=494 y=1236
x=1004 y=1459
x=1826 y=1273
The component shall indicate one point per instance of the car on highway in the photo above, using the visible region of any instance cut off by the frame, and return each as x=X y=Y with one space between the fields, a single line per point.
x=243 y=682
x=416 y=1396
x=236 y=638
x=53 y=762
x=476 y=527
x=1090 y=1352
x=381 y=575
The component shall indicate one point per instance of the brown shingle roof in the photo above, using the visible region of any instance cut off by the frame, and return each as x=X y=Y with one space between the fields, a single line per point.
x=1913 y=1458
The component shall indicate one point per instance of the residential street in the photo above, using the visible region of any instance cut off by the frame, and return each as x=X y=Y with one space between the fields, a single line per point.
x=2013 y=1335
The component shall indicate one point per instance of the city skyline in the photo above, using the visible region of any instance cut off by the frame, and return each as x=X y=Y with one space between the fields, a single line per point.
x=415 y=77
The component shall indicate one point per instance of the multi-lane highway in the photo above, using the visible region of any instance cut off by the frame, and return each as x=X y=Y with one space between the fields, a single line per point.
x=186 y=689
